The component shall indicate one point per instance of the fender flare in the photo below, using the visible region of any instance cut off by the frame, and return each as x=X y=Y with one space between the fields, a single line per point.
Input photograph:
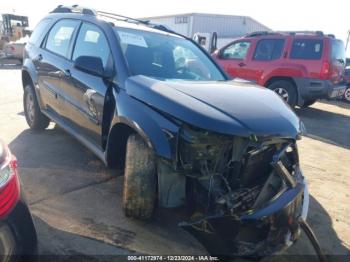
x=29 y=68
x=290 y=71
x=159 y=132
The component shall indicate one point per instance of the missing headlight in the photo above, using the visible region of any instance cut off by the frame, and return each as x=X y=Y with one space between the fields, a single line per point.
x=225 y=174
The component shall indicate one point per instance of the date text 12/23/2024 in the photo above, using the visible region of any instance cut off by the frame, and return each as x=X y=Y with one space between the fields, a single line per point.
x=172 y=258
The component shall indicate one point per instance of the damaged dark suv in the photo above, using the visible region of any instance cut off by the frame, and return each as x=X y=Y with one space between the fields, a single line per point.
x=145 y=98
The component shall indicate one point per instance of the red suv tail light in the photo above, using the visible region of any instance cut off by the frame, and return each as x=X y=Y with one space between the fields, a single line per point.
x=9 y=185
x=325 y=70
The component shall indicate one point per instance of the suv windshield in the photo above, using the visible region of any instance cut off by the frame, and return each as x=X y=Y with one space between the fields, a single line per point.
x=165 y=56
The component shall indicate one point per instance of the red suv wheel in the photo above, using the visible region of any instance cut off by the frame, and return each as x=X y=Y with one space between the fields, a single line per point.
x=285 y=90
x=347 y=94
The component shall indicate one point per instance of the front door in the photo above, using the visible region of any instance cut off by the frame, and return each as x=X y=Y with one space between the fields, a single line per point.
x=84 y=92
x=233 y=58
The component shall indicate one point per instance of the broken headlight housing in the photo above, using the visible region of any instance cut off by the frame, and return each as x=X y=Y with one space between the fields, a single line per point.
x=199 y=150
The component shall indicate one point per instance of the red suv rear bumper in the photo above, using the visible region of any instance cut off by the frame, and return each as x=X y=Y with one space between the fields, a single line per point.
x=309 y=89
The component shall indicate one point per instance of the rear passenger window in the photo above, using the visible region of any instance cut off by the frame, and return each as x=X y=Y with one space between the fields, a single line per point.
x=310 y=49
x=92 y=42
x=60 y=36
x=268 y=49
x=39 y=31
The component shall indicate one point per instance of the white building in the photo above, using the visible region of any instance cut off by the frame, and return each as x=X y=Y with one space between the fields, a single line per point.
x=227 y=27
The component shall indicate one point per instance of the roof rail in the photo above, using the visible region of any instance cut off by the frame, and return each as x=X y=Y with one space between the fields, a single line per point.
x=263 y=33
x=121 y=17
x=136 y=21
x=89 y=11
x=74 y=9
x=319 y=33
x=259 y=33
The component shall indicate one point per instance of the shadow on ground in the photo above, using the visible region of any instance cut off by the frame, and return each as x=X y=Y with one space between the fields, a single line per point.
x=323 y=125
x=52 y=148
x=58 y=245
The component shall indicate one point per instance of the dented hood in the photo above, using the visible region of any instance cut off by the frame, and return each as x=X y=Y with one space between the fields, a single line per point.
x=231 y=107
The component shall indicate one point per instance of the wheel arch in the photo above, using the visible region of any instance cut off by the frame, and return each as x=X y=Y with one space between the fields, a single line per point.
x=273 y=79
x=116 y=144
x=278 y=78
x=118 y=137
x=29 y=77
x=26 y=79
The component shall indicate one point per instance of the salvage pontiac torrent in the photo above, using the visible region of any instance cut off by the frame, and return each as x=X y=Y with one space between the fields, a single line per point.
x=149 y=100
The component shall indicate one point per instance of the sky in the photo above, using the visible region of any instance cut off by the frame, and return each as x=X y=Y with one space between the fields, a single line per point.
x=327 y=16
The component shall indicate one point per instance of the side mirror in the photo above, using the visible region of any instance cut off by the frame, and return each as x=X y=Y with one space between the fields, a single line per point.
x=90 y=64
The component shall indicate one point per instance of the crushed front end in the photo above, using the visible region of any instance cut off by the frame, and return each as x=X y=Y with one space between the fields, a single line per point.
x=244 y=195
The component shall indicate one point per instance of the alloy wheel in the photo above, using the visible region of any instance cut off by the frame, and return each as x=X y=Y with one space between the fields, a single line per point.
x=347 y=94
x=282 y=93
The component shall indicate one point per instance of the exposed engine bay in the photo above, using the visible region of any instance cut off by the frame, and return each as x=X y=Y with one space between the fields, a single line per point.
x=231 y=177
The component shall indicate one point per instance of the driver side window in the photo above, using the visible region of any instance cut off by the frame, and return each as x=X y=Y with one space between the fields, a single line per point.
x=238 y=50
x=92 y=42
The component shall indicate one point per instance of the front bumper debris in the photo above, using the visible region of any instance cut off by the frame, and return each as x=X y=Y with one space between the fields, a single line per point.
x=262 y=230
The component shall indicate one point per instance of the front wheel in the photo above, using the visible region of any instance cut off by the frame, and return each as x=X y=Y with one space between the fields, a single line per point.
x=140 y=180
x=35 y=119
x=285 y=90
x=347 y=94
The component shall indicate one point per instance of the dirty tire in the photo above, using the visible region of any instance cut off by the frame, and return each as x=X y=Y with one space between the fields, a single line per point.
x=308 y=103
x=35 y=119
x=288 y=87
x=140 y=183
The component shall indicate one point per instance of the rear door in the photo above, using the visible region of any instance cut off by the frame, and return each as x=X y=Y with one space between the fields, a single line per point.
x=234 y=57
x=84 y=93
x=338 y=60
x=51 y=62
x=267 y=54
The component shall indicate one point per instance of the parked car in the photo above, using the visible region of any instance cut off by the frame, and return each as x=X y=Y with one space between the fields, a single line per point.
x=17 y=232
x=146 y=99
x=299 y=66
x=14 y=51
x=346 y=96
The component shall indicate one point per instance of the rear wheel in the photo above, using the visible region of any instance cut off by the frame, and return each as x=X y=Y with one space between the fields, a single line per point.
x=347 y=94
x=285 y=90
x=35 y=119
x=308 y=103
x=140 y=183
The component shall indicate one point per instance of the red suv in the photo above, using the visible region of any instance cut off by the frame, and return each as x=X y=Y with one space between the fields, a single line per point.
x=300 y=66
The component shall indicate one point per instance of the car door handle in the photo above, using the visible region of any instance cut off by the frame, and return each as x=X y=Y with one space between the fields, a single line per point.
x=38 y=58
x=65 y=73
x=241 y=64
